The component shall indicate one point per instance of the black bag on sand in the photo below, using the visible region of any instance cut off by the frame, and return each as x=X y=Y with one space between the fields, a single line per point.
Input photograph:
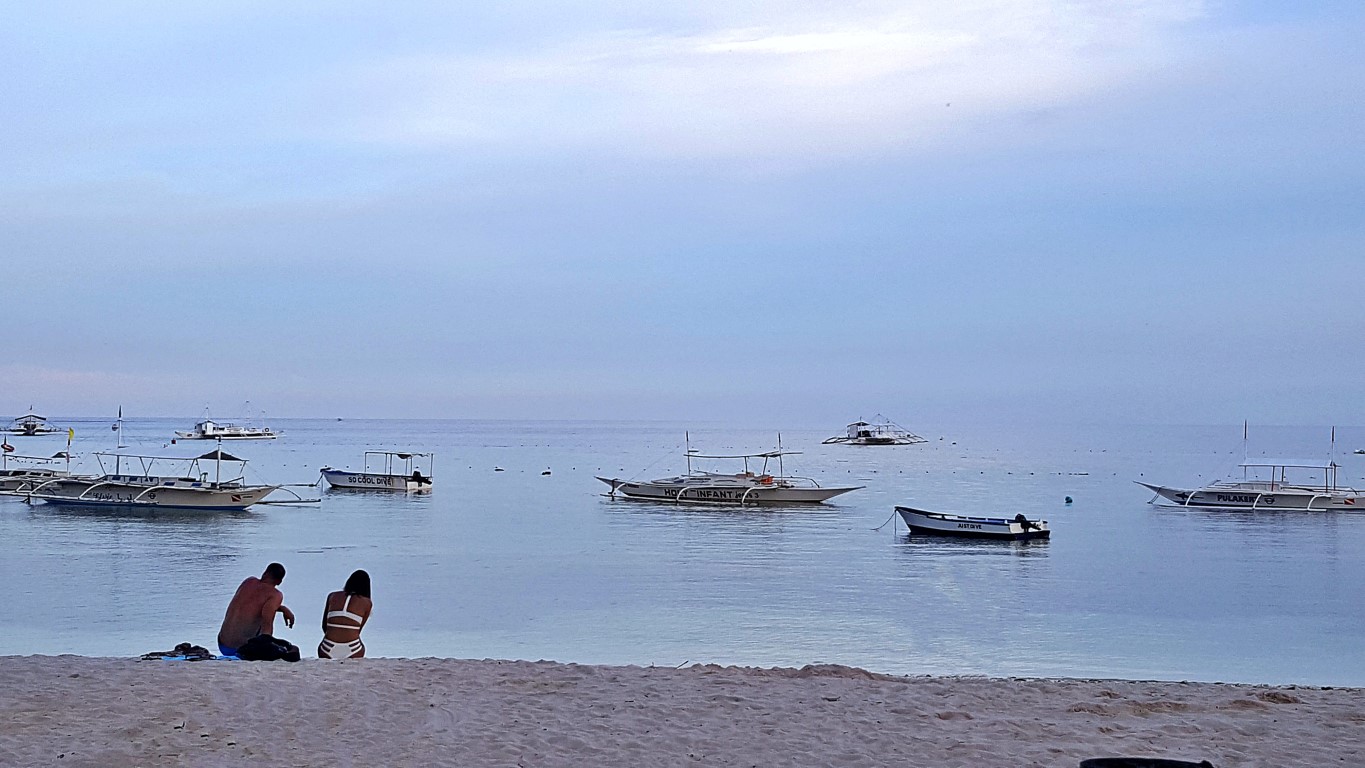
x=268 y=648
x=184 y=651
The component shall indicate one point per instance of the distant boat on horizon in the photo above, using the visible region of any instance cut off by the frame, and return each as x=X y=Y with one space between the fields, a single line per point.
x=208 y=429
x=880 y=431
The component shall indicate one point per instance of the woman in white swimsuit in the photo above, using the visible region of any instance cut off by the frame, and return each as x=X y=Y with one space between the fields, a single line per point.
x=344 y=615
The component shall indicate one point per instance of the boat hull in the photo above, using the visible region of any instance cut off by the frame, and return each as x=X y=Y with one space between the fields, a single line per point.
x=939 y=524
x=1259 y=498
x=721 y=494
x=197 y=436
x=372 y=481
x=100 y=492
x=12 y=480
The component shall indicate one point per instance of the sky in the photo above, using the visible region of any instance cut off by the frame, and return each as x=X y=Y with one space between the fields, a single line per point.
x=1147 y=211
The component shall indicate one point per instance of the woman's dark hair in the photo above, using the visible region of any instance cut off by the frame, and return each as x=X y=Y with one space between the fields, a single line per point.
x=358 y=584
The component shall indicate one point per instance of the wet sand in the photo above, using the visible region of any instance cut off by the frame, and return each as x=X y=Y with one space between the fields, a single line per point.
x=79 y=711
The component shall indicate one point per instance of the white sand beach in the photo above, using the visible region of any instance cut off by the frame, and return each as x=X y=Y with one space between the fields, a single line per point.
x=78 y=711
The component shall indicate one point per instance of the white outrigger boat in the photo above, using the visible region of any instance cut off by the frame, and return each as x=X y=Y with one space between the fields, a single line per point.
x=1017 y=528
x=880 y=432
x=208 y=429
x=31 y=425
x=1273 y=484
x=742 y=488
x=409 y=479
x=30 y=470
x=189 y=488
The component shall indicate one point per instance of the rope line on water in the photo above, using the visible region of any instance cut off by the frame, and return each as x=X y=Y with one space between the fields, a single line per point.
x=889 y=519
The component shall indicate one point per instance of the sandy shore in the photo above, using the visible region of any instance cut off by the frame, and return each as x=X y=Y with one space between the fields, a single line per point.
x=77 y=711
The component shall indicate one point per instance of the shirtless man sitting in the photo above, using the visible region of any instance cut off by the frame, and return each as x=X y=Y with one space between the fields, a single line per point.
x=252 y=610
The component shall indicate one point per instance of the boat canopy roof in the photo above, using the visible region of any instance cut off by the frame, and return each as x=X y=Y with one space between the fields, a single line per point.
x=59 y=455
x=210 y=456
x=1290 y=463
x=219 y=455
x=31 y=416
x=399 y=454
x=765 y=455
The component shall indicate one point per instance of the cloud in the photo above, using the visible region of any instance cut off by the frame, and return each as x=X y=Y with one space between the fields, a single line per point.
x=888 y=78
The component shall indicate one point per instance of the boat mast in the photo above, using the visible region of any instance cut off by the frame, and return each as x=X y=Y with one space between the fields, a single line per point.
x=687 y=444
x=1245 y=454
x=1331 y=474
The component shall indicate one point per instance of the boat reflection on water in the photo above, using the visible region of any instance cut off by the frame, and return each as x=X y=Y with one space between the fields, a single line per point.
x=967 y=547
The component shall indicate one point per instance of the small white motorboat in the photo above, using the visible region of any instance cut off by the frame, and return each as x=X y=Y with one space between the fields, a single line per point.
x=881 y=431
x=1018 y=528
x=740 y=488
x=409 y=478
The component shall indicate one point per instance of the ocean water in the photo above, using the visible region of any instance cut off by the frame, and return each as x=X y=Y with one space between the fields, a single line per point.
x=518 y=564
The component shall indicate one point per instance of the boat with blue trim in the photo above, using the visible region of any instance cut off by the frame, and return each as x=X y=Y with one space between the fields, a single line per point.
x=141 y=485
x=1017 y=528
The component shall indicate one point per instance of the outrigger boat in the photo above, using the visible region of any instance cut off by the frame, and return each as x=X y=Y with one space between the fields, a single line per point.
x=409 y=479
x=208 y=429
x=32 y=470
x=31 y=425
x=880 y=432
x=742 y=488
x=189 y=488
x=1018 y=528
x=1277 y=484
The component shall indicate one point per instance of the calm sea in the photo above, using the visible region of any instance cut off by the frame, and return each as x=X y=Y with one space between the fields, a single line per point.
x=522 y=565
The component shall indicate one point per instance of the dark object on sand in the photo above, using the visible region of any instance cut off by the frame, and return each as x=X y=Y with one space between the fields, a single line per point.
x=268 y=648
x=183 y=651
x=1141 y=762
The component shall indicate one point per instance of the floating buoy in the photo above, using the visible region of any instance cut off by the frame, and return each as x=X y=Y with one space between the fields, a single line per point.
x=1068 y=499
x=546 y=472
x=497 y=469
